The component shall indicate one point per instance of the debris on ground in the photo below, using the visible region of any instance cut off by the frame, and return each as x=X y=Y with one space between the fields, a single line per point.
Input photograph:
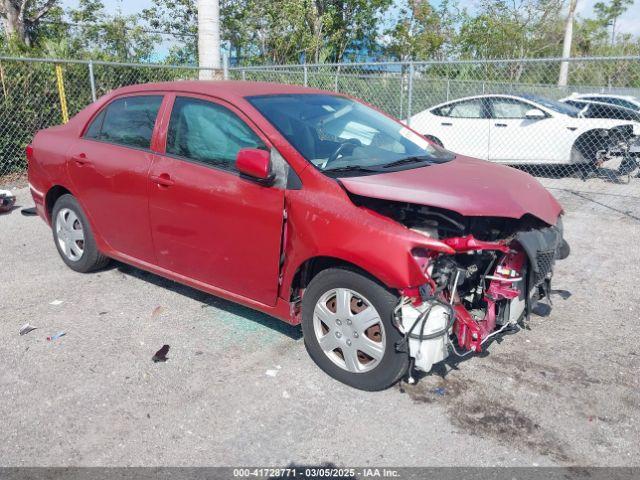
x=157 y=311
x=161 y=355
x=286 y=394
x=56 y=336
x=56 y=302
x=29 y=212
x=7 y=200
x=440 y=391
x=271 y=373
x=26 y=328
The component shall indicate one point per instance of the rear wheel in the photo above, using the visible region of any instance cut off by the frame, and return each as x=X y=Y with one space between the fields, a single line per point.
x=348 y=330
x=73 y=237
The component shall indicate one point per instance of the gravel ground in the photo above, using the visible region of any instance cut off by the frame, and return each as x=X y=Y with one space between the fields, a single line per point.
x=239 y=388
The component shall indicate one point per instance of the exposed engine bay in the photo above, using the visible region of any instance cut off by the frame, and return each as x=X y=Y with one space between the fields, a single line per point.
x=501 y=268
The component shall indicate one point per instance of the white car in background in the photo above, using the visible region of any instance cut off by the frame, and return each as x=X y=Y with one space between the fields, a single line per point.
x=626 y=101
x=522 y=129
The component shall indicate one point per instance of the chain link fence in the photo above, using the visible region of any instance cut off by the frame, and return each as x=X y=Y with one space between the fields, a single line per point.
x=582 y=135
x=508 y=111
x=38 y=93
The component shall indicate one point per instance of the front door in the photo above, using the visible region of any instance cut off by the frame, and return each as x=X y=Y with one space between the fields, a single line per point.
x=207 y=222
x=514 y=138
x=109 y=169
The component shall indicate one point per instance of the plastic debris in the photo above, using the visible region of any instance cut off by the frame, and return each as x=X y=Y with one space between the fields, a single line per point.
x=26 y=328
x=7 y=200
x=161 y=355
x=56 y=336
x=271 y=373
x=157 y=311
x=29 y=212
x=440 y=391
x=286 y=394
x=56 y=302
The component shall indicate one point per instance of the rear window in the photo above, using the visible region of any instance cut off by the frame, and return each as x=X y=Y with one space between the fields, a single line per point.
x=127 y=121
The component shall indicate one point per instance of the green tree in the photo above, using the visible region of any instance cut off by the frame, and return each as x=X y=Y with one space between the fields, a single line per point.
x=417 y=33
x=608 y=13
x=110 y=36
x=22 y=18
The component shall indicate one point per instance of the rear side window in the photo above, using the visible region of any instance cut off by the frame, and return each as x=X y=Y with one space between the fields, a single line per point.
x=127 y=121
x=208 y=133
x=616 y=101
x=466 y=109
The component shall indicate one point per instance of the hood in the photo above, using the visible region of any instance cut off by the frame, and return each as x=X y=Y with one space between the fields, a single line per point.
x=470 y=187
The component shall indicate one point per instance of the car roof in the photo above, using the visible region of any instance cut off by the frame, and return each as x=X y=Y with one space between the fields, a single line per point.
x=486 y=95
x=224 y=89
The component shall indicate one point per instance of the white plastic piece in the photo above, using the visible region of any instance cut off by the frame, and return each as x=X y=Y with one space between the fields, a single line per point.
x=518 y=304
x=426 y=352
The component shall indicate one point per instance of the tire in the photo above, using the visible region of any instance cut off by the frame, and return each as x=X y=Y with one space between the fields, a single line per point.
x=73 y=237
x=378 y=365
x=584 y=152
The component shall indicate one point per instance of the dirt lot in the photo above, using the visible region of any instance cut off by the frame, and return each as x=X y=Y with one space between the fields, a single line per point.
x=239 y=388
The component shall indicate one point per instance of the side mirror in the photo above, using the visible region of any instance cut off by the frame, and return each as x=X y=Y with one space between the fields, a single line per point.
x=255 y=164
x=535 y=114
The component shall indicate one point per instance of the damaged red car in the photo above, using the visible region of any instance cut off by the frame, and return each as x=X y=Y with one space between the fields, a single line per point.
x=306 y=205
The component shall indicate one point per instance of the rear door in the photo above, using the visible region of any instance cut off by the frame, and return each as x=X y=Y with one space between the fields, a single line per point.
x=109 y=169
x=463 y=127
x=208 y=223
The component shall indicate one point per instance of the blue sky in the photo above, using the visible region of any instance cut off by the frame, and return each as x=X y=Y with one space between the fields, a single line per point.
x=629 y=22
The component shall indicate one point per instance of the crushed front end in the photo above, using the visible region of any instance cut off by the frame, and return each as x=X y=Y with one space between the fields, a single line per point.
x=500 y=269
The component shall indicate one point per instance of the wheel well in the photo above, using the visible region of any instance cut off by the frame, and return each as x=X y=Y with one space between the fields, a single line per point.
x=589 y=142
x=52 y=197
x=313 y=266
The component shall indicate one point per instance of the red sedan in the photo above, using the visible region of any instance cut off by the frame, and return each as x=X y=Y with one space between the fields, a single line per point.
x=309 y=206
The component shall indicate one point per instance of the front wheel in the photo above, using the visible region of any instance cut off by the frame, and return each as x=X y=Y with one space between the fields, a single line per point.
x=348 y=330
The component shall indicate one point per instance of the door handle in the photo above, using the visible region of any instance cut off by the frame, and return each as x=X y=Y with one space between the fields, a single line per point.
x=446 y=124
x=163 y=179
x=501 y=124
x=80 y=158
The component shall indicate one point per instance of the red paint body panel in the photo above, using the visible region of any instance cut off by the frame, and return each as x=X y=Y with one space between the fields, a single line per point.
x=465 y=185
x=223 y=234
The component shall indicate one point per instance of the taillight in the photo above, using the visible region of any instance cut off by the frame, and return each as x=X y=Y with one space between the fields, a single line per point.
x=29 y=152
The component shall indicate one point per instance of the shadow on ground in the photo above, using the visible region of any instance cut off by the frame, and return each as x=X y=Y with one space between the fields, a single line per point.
x=208 y=300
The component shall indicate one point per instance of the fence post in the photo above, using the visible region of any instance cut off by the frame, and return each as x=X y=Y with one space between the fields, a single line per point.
x=61 y=93
x=335 y=86
x=92 y=81
x=448 y=88
x=410 y=93
x=306 y=75
x=244 y=74
x=225 y=66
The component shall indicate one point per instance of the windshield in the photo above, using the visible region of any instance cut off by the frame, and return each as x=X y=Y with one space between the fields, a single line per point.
x=339 y=135
x=554 y=105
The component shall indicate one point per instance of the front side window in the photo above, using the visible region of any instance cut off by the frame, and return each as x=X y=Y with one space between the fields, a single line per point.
x=509 y=108
x=209 y=133
x=337 y=134
x=127 y=121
